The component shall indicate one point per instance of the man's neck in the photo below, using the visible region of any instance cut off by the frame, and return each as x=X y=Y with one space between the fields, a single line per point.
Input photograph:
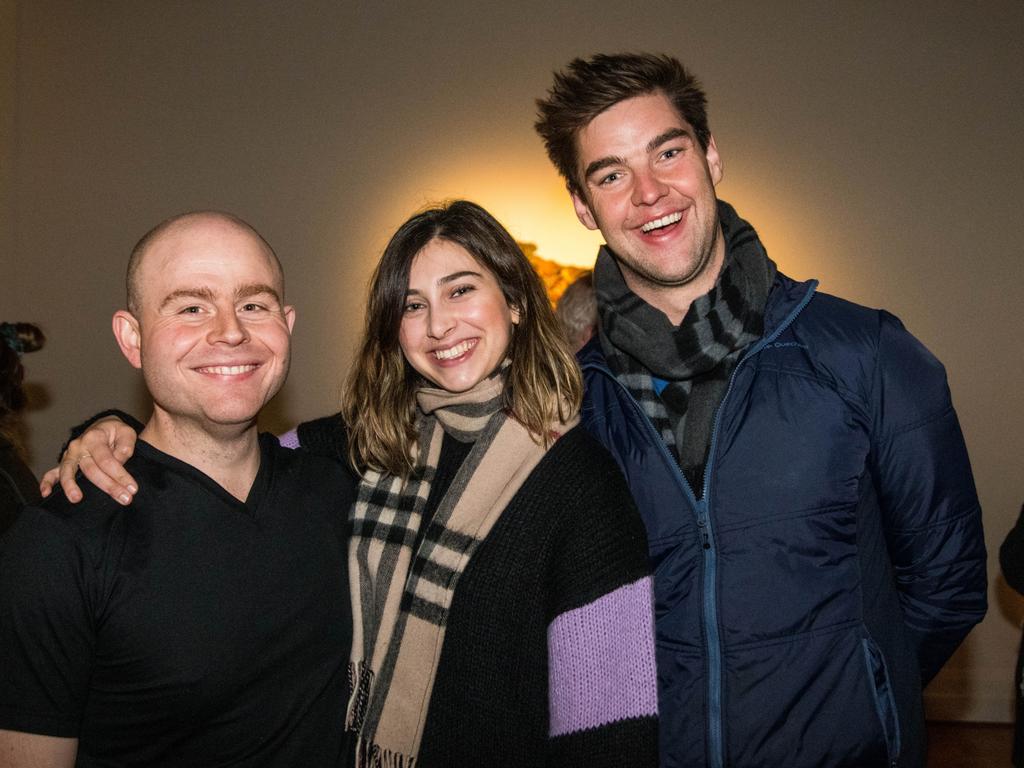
x=675 y=300
x=230 y=455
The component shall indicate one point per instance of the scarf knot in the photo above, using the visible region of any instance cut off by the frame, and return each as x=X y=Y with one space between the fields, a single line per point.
x=464 y=415
x=678 y=374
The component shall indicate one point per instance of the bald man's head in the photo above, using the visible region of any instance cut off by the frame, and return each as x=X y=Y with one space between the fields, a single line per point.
x=208 y=326
x=176 y=224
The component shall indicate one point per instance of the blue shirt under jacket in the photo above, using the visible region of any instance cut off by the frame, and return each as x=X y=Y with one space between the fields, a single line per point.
x=835 y=558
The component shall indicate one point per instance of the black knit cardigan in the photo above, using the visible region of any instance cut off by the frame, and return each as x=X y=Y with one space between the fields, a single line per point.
x=569 y=538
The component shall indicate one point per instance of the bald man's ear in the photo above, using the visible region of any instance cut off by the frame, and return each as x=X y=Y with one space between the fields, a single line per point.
x=129 y=338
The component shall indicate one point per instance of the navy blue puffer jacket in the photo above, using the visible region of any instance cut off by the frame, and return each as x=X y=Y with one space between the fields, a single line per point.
x=835 y=558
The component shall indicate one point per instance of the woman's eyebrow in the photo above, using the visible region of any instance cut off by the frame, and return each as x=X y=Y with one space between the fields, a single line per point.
x=445 y=280
x=457 y=276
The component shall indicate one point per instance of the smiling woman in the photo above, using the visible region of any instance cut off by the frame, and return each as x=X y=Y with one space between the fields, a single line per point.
x=453 y=278
x=498 y=565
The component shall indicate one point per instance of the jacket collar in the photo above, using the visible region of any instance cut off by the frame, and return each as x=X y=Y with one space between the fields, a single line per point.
x=784 y=300
x=786 y=297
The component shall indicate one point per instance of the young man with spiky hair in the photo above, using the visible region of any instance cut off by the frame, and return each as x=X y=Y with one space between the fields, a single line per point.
x=810 y=509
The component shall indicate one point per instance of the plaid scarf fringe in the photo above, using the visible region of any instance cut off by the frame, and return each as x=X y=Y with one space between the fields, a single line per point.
x=371 y=755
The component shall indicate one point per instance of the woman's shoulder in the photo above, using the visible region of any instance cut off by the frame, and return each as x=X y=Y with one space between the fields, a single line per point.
x=579 y=452
x=581 y=477
x=326 y=436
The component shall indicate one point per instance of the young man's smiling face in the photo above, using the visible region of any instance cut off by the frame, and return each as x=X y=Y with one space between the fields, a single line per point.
x=650 y=188
x=212 y=334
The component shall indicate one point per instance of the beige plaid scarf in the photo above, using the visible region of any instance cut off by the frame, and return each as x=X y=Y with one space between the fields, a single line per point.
x=401 y=598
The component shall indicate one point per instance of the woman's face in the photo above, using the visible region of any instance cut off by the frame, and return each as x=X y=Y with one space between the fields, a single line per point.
x=456 y=324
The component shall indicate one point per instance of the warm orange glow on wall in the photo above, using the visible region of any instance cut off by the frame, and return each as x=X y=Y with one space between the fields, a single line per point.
x=520 y=189
x=556 y=277
x=796 y=236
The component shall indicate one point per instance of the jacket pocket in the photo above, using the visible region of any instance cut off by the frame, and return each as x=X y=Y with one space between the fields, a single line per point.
x=885 y=702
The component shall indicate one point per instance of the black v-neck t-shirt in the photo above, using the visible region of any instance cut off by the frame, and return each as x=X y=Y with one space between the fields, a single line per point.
x=190 y=628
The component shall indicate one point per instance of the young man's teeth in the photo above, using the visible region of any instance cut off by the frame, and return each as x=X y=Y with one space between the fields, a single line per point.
x=228 y=370
x=453 y=352
x=664 y=221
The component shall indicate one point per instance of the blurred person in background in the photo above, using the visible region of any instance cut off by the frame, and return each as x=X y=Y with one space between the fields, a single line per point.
x=577 y=311
x=18 y=486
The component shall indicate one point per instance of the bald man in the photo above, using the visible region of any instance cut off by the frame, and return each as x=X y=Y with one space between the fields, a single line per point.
x=210 y=624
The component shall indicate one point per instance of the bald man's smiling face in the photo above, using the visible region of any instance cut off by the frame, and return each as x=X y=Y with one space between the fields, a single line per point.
x=211 y=332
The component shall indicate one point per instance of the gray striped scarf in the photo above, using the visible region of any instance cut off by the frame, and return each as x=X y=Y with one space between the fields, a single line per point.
x=696 y=357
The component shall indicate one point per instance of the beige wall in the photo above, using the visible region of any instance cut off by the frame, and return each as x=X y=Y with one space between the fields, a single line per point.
x=8 y=92
x=874 y=145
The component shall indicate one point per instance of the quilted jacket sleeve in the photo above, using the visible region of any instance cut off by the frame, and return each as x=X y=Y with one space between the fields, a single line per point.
x=929 y=503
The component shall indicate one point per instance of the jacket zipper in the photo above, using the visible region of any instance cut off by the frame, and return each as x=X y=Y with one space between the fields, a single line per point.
x=710 y=562
x=716 y=747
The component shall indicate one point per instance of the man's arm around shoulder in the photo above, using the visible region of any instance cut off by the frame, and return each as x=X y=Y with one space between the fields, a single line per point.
x=31 y=750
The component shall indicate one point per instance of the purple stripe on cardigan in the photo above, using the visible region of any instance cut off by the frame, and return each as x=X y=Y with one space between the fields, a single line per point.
x=601 y=665
x=289 y=439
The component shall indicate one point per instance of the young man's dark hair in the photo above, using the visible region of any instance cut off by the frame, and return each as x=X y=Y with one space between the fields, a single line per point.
x=587 y=87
